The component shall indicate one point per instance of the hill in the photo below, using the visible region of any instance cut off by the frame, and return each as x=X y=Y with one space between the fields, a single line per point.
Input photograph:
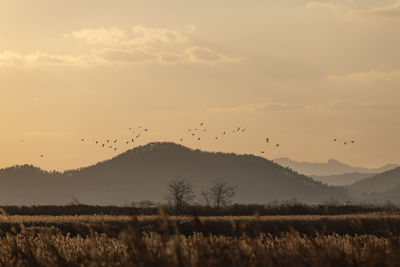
x=331 y=167
x=342 y=179
x=379 y=183
x=142 y=173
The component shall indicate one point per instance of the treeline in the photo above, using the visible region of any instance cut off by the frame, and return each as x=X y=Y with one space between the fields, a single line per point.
x=201 y=210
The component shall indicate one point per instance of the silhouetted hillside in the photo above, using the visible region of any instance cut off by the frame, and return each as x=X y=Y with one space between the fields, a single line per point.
x=331 y=167
x=379 y=183
x=143 y=172
x=342 y=179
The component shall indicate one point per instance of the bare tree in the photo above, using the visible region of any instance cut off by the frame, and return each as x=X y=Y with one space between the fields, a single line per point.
x=221 y=193
x=180 y=193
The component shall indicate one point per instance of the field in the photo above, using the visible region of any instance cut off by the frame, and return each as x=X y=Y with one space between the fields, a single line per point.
x=364 y=239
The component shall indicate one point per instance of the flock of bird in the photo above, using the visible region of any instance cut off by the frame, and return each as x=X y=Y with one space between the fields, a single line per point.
x=196 y=132
x=345 y=142
x=192 y=133
x=113 y=143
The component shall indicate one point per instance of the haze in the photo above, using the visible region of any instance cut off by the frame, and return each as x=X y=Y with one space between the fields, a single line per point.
x=298 y=72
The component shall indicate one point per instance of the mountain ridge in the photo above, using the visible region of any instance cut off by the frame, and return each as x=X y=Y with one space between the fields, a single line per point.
x=143 y=172
x=330 y=167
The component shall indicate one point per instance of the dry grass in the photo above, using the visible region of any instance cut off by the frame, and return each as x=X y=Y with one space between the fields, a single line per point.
x=134 y=249
x=190 y=241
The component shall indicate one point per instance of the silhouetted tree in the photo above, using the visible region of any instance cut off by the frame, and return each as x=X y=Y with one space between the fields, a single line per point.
x=221 y=193
x=180 y=193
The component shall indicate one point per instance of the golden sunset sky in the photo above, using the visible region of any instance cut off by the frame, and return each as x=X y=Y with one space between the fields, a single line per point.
x=299 y=72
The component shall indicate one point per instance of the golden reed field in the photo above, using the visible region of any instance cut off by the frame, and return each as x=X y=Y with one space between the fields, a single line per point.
x=104 y=240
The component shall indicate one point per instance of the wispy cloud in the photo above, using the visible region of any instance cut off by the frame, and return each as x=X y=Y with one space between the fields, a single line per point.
x=14 y=59
x=362 y=77
x=105 y=36
x=258 y=107
x=40 y=133
x=138 y=36
x=349 y=106
x=389 y=11
x=352 y=10
x=113 y=45
x=334 y=106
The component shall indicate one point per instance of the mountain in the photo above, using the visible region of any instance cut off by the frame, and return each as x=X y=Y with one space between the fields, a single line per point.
x=143 y=173
x=392 y=195
x=342 y=179
x=379 y=183
x=331 y=167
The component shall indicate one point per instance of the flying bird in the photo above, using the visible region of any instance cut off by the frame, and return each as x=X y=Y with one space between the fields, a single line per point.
x=82 y=140
x=243 y=130
x=115 y=141
x=238 y=129
x=224 y=133
x=198 y=139
x=102 y=145
x=267 y=139
x=193 y=134
x=181 y=139
x=277 y=145
x=345 y=143
x=201 y=124
x=353 y=141
x=41 y=156
x=108 y=141
x=262 y=152
x=334 y=140
x=216 y=137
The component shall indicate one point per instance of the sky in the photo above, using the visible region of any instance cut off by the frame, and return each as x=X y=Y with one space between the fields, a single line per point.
x=298 y=72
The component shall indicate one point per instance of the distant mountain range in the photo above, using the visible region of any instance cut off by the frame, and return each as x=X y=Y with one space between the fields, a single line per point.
x=379 y=183
x=142 y=173
x=331 y=167
x=380 y=188
x=343 y=179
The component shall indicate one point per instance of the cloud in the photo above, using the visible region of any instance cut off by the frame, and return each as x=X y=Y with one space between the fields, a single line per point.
x=14 y=59
x=107 y=36
x=334 y=106
x=391 y=11
x=171 y=58
x=191 y=28
x=206 y=55
x=45 y=133
x=356 y=9
x=350 y=106
x=364 y=77
x=126 y=56
x=195 y=55
x=259 y=107
x=144 y=35
x=114 y=46
x=139 y=36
